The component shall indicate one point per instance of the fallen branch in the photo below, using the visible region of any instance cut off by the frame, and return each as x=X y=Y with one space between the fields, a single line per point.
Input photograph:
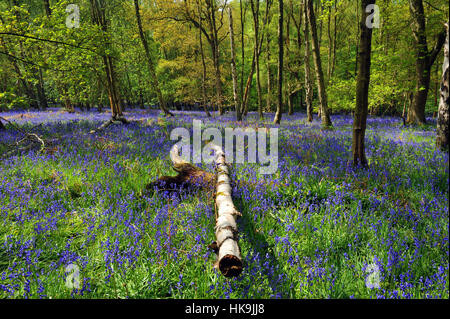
x=113 y=120
x=32 y=138
x=226 y=245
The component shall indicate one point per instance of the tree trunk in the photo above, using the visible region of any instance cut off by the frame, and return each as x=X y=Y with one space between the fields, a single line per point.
x=233 y=68
x=362 y=88
x=443 y=112
x=255 y=12
x=308 y=82
x=205 y=107
x=334 y=44
x=326 y=121
x=48 y=11
x=214 y=42
x=41 y=90
x=424 y=62
x=290 y=100
x=279 y=112
x=229 y=255
x=248 y=85
x=269 y=75
x=151 y=65
x=99 y=18
x=329 y=46
x=242 y=48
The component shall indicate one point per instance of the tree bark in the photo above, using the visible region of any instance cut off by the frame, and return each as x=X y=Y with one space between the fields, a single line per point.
x=229 y=255
x=362 y=88
x=279 y=111
x=442 y=138
x=325 y=116
x=151 y=65
x=424 y=62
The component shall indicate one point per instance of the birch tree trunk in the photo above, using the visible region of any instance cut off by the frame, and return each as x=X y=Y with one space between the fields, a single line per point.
x=424 y=61
x=443 y=112
x=229 y=255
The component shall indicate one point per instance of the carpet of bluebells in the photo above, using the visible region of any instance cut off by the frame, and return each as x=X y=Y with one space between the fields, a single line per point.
x=317 y=228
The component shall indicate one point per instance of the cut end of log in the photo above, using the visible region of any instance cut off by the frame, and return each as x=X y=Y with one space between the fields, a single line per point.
x=230 y=266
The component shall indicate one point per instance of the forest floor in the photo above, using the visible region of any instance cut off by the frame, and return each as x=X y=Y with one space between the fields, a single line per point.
x=317 y=228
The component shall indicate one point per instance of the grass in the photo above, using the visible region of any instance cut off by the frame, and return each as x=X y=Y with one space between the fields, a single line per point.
x=315 y=229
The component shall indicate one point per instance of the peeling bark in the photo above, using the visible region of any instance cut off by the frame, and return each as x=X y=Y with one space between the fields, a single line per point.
x=443 y=113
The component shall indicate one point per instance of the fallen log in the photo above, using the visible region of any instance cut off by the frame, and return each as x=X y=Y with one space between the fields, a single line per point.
x=229 y=254
x=226 y=245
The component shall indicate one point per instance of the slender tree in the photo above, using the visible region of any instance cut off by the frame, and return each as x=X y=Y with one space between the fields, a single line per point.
x=269 y=76
x=242 y=13
x=362 y=87
x=98 y=8
x=255 y=12
x=325 y=116
x=308 y=82
x=203 y=63
x=214 y=40
x=233 y=67
x=279 y=112
x=150 y=63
